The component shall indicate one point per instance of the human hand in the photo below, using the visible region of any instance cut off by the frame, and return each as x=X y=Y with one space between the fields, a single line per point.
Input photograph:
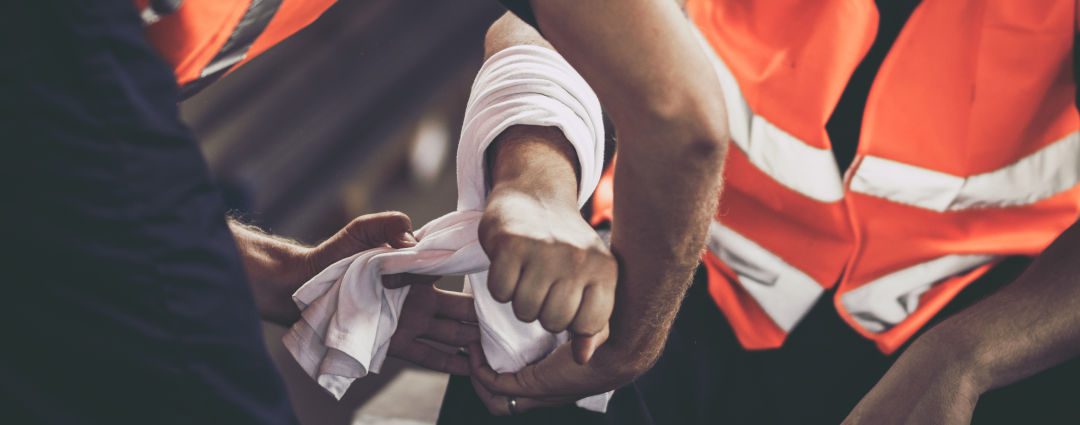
x=278 y=267
x=428 y=315
x=432 y=314
x=930 y=383
x=555 y=380
x=551 y=265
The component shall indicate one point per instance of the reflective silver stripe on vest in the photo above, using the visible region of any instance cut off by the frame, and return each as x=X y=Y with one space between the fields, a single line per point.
x=235 y=49
x=884 y=302
x=813 y=172
x=1040 y=175
x=784 y=292
x=794 y=164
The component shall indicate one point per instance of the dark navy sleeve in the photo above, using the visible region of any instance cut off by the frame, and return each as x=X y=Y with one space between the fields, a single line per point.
x=127 y=301
x=523 y=10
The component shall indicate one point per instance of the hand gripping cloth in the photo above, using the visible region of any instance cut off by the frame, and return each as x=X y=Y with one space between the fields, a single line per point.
x=347 y=314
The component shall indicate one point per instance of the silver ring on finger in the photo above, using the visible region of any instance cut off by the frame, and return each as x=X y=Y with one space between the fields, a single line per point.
x=511 y=405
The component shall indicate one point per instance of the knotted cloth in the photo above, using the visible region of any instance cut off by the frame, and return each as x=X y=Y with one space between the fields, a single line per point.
x=347 y=316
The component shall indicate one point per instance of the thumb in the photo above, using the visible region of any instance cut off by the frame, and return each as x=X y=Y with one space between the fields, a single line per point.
x=365 y=232
x=584 y=346
x=392 y=227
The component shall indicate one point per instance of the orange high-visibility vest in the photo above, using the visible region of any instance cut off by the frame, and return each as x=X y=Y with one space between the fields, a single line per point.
x=969 y=151
x=206 y=39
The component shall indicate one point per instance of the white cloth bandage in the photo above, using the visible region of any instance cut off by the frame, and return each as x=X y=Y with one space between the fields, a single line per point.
x=347 y=316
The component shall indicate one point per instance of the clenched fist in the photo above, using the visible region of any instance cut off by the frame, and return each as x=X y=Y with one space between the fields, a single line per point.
x=551 y=265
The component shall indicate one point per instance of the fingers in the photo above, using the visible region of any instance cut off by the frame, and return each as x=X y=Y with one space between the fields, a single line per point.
x=583 y=347
x=530 y=292
x=560 y=306
x=499 y=405
x=391 y=227
x=394 y=281
x=512 y=384
x=550 y=264
x=456 y=306
x=365 y=232
x=452 y=332
x=592 y=316
x=495 y=390
x=503 y=275
x=430 y=357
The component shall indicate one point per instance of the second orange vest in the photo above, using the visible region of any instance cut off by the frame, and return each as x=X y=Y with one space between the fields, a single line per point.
x=969 y=152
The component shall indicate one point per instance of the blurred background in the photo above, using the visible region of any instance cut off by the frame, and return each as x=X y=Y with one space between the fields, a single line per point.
x=358 y=113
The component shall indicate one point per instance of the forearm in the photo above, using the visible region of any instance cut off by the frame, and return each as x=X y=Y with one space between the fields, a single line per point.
x=534 y=161
x=657 y=235
x=666 y=106
x=524 y=159
x=270 y=263
x=1028 y=326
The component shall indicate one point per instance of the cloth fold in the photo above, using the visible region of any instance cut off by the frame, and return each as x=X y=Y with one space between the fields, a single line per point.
x=348 y=317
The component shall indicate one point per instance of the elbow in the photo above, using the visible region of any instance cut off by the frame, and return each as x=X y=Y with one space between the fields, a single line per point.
x=494 y=38
x=693 y=129
x=708 y=145
x=509 y=31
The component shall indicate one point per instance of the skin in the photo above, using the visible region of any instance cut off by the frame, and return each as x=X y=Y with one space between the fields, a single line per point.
x=276 y=267
x=1025 y=328
x=549 y=263
x=1029 y=326
x=672 y=141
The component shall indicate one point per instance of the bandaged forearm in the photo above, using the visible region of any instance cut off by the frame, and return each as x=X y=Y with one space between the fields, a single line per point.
x=348 y=316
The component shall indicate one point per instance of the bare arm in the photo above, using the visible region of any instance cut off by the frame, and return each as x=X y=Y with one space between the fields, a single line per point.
x=1027 y=327
x=545 y=257
x=654 y=81
x=665 y=103
x=275 y=268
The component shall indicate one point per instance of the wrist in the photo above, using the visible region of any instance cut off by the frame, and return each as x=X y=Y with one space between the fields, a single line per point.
x=535 y=161
x=275 y=268
x=522 y=192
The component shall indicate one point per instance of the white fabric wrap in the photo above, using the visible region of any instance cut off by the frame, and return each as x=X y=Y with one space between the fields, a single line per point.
x=347 y=316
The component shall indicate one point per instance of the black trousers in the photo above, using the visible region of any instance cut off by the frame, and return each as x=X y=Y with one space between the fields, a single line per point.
x=821 y=373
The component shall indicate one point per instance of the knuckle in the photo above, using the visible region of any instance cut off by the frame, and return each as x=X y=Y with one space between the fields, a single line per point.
x=601 y=254
x=501 y=239
x=576 y=254
x=501 y=291
x=354 y=231
x=554 y=324
x=509 y=240
x=523 y=312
